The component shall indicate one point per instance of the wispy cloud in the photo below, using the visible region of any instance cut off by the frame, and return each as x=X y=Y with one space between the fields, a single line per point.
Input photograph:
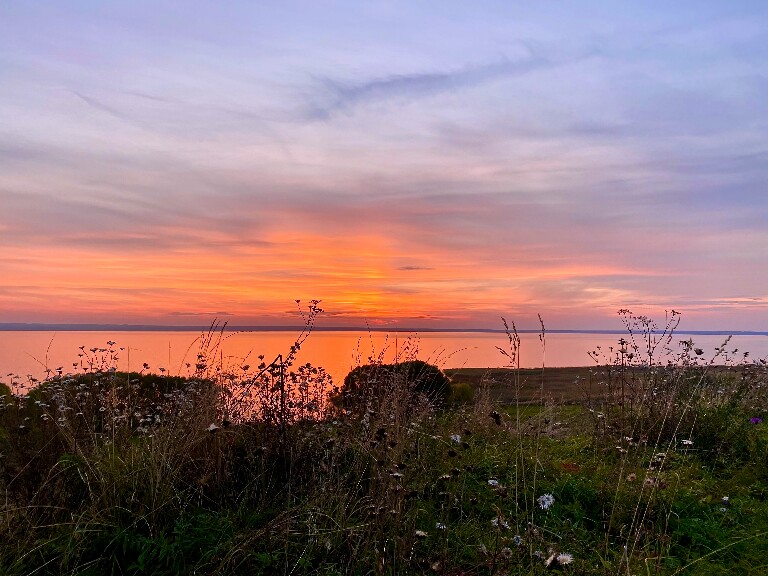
x=195 y=314
x=106 y=108
x=338 y=95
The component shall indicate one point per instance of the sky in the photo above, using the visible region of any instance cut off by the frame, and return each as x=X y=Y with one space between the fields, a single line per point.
x=407 y=163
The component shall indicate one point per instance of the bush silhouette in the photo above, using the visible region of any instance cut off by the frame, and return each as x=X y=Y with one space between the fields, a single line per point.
x=373 y=380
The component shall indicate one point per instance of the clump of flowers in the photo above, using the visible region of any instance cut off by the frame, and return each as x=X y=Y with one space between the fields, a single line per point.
x=558 y=559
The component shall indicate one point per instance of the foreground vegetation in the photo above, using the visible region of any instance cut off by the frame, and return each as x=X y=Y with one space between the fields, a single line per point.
x=653 y=462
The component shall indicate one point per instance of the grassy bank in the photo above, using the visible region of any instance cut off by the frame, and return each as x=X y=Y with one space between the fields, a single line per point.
x=636 y=466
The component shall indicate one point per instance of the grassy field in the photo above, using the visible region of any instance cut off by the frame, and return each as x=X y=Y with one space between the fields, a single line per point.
x=636 y=468
x=508 y=386
x=569 y=385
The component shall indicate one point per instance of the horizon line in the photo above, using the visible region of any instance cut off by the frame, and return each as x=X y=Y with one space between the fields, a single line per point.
x=87 y=327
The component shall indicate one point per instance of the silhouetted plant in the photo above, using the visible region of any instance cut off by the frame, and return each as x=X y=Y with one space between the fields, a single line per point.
x=371 y=381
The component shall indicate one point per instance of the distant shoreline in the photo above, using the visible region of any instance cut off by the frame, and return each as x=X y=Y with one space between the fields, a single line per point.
x=36 y=327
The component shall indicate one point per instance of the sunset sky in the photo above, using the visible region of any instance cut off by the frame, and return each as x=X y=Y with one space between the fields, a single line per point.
x=428 y=164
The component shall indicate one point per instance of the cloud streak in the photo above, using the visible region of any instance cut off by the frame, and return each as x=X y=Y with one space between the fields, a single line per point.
x=341 y=96
x=107 y=109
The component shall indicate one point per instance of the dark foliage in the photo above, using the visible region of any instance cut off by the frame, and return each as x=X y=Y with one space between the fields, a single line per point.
x=375 y=380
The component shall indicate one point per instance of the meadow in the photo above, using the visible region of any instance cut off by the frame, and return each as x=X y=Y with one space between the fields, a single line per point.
x=652 y=462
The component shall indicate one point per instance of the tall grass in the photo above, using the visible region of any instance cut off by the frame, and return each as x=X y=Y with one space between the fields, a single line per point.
x=249 y=468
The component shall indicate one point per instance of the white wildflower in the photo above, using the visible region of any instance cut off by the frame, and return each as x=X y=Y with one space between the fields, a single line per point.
x=500 y=523
x=545 y=501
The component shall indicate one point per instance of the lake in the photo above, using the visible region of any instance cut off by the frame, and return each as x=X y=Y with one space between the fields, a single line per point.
x=26 y=353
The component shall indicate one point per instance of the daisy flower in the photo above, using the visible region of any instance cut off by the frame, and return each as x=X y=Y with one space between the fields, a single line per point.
x=545 y=501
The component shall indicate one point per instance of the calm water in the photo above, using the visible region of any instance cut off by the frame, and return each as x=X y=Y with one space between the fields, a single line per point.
x=29 y=353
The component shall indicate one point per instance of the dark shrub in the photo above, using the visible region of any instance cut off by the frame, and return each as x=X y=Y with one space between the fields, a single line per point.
x=461 y=393
x=374 y=380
